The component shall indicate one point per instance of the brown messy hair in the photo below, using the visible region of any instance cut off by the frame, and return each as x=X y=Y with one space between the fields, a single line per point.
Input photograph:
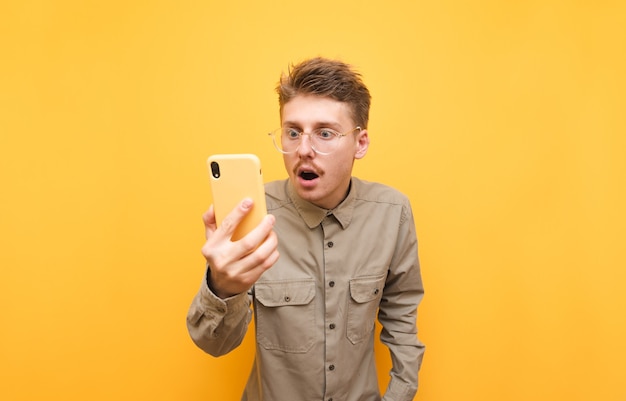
x=328 y=78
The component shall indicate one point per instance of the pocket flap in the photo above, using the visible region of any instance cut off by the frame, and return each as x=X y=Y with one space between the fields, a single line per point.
x=365 y=289
x=284 y=293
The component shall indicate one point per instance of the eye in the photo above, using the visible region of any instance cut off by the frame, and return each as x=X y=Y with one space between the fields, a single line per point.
x=326 y=133
x=291 y=133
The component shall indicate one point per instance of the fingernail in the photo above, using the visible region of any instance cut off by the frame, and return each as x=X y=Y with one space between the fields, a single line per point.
x=246 y=204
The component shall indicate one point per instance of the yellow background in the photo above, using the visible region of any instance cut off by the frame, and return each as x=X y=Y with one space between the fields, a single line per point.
x=503 y=121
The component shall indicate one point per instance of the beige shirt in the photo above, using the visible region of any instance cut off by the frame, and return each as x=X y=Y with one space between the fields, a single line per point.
x=315 y=309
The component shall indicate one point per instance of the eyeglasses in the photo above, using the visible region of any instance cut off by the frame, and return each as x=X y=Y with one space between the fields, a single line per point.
x=324 y=141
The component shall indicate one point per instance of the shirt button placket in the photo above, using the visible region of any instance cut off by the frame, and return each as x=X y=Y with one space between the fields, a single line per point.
x=331 y=264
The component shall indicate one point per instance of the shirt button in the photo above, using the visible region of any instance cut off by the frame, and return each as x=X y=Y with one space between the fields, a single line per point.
x=330 y=244
x=331 y=367
x=332 y=283
x=221 y=310
x=332 y=326
x=376 y=291
x=287 y=299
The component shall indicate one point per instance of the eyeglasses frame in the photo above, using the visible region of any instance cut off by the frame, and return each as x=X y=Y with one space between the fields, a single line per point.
x=301 y=133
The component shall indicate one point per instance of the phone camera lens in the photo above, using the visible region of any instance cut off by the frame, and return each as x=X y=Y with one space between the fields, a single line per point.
x=215 y=169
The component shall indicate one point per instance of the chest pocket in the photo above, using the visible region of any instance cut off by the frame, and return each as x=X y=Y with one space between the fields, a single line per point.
x=285 y=315
x=365 y=295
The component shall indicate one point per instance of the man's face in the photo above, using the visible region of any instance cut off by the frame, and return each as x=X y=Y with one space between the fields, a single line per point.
x=322 y=179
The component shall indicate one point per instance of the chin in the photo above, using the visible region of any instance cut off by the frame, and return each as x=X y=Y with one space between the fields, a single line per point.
x=307 y=194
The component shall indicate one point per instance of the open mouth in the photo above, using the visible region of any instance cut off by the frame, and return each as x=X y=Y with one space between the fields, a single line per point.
x=308 y=175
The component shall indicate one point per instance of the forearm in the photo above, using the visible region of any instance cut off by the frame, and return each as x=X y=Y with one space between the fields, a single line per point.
x=397 y=314
x=218 y=326
x=406 y=362
x=400 y=336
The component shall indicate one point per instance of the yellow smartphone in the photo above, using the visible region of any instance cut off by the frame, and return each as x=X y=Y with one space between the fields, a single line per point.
x=234 y=177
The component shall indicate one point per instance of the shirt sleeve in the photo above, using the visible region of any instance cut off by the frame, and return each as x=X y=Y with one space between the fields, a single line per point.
x=398 y=313
x=217 y=326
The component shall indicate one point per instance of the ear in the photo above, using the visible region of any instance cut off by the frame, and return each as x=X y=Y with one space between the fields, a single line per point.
x=362 y=143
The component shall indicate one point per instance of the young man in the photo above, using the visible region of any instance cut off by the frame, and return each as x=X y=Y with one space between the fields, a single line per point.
x=333 y=253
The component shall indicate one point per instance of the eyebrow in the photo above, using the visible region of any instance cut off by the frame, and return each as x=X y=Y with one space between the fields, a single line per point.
x=321 y=124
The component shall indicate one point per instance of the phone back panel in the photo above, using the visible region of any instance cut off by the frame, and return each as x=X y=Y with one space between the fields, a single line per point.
x=238 y=176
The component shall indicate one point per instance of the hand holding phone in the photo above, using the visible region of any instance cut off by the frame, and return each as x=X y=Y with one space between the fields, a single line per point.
x=235 y=267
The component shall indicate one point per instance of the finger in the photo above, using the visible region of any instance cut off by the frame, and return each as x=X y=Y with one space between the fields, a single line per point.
x=267 y=252
x=257 y=235
x=264 y=255
x=232 y=220
x=253 y=265
x=208 y=218
x=219 y=250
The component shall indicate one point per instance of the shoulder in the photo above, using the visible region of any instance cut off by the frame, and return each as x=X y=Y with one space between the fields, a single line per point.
x=276 y=194
x=368 y=191
x=381 y=198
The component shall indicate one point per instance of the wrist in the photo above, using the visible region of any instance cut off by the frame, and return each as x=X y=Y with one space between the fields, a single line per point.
x=216 y=291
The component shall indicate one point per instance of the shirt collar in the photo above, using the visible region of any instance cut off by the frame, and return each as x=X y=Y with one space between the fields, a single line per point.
x=314 y=215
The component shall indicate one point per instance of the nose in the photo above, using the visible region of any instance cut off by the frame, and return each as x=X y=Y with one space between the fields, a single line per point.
x=306 y=146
